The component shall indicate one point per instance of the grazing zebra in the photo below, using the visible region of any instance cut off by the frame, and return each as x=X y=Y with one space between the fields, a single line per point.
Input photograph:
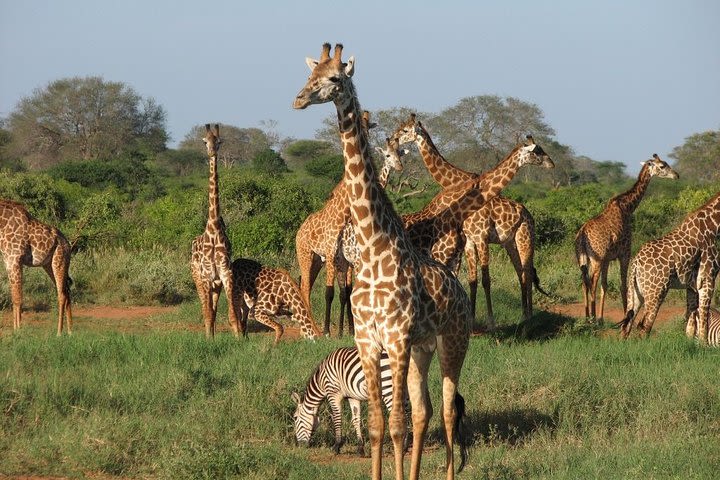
x=340 y=376
x=713 y=336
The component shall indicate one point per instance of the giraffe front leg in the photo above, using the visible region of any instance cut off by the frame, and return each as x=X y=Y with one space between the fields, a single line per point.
x=370 y=359
x=15 y=278
x=263 y=317
x=603 y=289
x=228 y=282
x=692 y=301
x=421 y=406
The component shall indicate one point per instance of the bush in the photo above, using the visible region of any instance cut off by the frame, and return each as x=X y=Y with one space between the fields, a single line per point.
x=39 y=193
x=308 y=149
x=326 y=166
x=270 y=162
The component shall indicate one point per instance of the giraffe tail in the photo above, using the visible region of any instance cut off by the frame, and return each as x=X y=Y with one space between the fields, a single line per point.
x=461 y=433
x=536 y=282
x=581 y=249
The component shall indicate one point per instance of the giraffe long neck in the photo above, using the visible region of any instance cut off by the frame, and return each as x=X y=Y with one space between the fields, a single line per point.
x=704 y=223
x=376 y=224
x=213 y=194
x=629 y=200
x=384 y=174
x=300 y=312
x=442 y=171
x=493 y=181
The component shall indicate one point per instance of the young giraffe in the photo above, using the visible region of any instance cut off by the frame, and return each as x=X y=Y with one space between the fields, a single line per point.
x=269 y=292
x=403 y=302
x=25 y=241
x=607 y=237
x=688 y=257
x=210 y=261
x=438 y=229
x=499 y=221
x=316 y=243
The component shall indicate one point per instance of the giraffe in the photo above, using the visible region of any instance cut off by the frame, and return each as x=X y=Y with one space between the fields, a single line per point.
x=269 y=292
x=607 y=237
x=211 y=254
x=687 y=256
x=499 y=221
x=438 y=229
x=25 y=241
x=316 y=243
x=403 y=302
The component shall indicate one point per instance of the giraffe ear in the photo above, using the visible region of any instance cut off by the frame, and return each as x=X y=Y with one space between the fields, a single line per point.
x=350 y=66
x=295 y=397
x=311 y=63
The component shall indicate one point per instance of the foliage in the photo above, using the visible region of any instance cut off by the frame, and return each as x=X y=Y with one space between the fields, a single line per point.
x=87 y=118
x=269 y=162
x=328 y=166
x=38 y=192
x=182 y=162
x=308 y=149
x=699 y=157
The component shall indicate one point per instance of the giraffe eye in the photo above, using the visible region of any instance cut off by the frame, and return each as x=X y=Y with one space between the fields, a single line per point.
x=334 y=79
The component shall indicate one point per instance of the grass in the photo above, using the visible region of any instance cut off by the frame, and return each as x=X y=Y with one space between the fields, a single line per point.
x=169 y=404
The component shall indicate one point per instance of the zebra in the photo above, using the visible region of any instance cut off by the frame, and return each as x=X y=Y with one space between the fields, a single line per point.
x=340 y=376
x=713 y=336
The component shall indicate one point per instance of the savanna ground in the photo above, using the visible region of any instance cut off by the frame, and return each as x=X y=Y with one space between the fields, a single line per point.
x=137 y=392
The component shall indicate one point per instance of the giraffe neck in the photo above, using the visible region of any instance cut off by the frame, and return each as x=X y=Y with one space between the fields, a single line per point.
x=493 y=181
x=629 y=200
x=301 y=314
x=213 y=195
x=705 y=221
x=442 y=171
x=374 y=219
x=384 y=174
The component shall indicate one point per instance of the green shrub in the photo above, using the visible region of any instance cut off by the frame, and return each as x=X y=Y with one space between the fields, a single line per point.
x=270 y=162
x=327 y=166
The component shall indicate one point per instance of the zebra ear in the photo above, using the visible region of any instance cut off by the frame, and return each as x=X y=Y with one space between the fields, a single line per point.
x=295 y=397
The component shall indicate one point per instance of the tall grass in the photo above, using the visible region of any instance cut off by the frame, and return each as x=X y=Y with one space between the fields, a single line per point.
x=173 y=405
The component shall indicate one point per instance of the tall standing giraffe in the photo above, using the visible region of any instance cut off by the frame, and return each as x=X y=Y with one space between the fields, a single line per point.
x=687 y=257
x=608 y=236
x=210 y=263
x=499 y=221
x=25 y=241
x=403 y=302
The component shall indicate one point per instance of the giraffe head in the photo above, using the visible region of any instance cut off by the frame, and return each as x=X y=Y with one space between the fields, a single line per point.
x=212 y=139
x=659 y=168
x=329 y=76
x=392 y=154
x=532 y=154
x=407 y=132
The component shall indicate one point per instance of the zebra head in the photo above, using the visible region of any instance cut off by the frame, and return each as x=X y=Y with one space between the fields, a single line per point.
x=305 y=419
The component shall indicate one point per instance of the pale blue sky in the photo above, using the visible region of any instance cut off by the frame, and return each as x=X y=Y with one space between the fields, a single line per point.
x=617 y=79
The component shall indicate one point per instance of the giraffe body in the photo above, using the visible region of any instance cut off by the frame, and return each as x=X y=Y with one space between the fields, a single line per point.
x=686 y=257
x=403 y=302
x=607 y=237
x=25 y=241
x=211 y=253
x=499 y=220
x=267 y=292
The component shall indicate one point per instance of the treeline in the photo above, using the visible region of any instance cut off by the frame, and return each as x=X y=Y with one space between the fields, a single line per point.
x=90 y=157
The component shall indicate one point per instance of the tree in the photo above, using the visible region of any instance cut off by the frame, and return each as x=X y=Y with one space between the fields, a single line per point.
x=699 y=157
x=270 y=162
x=86 y=118
x=239 y=145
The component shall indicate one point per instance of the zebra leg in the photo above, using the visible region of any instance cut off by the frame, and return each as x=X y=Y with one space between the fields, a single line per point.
x=357 y=424
x=335 y=402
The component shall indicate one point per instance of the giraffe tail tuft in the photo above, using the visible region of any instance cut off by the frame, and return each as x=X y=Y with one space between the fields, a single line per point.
x=536 y=282
x=461 y=434
x=581 y=249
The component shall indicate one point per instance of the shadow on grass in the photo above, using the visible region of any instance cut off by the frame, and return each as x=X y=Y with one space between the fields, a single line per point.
x=545 y=325
x=509 y=427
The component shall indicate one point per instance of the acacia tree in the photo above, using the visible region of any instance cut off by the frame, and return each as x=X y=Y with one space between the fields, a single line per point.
x=699 y=156
x=239 y=145
x=87 y=118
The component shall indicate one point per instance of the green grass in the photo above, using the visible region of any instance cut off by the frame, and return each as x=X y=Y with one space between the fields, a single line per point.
x=169 y=404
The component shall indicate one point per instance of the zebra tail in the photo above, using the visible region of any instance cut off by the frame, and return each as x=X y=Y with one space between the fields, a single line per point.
x=461 y=430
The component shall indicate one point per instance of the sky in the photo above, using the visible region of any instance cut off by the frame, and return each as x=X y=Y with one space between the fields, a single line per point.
x=618 y=80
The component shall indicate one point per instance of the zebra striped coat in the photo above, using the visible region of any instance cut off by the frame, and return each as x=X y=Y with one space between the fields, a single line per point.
x=339 y=376
x=713 y=336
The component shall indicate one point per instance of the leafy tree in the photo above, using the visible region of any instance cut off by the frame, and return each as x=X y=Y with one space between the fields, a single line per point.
x=308 y=149
x=38 y=192
x=182 y=162
x=699 y=157
x=86 y=118
x=239 y=145
x=327 y=166
x=270 y=162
